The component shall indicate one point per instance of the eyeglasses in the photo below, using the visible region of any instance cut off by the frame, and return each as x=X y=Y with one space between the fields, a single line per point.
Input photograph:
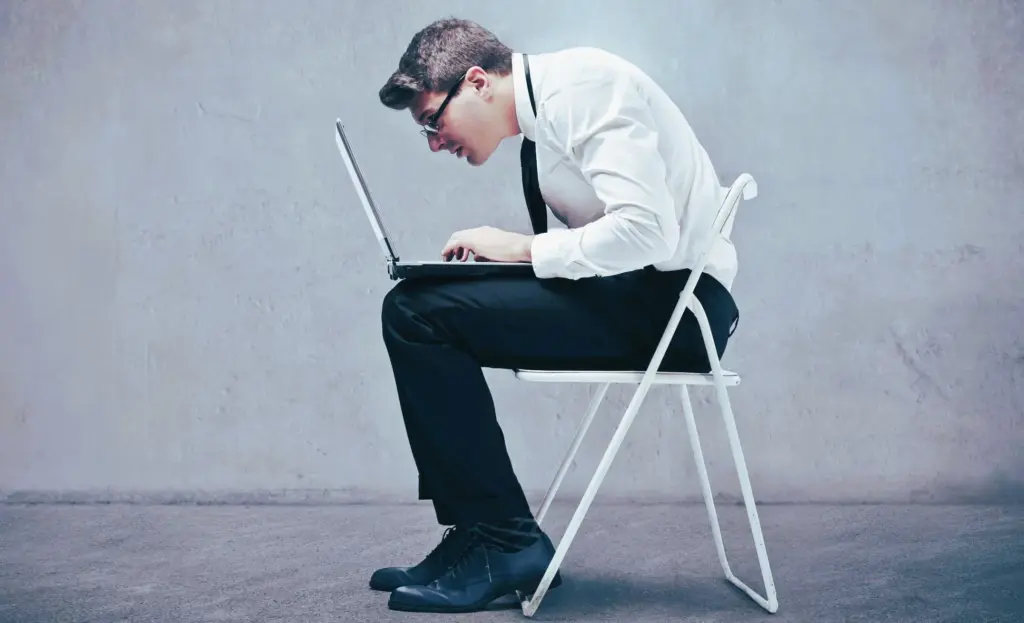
x=430 y=127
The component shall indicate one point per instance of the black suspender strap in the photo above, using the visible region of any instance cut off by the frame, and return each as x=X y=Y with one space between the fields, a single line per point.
x=528 y=161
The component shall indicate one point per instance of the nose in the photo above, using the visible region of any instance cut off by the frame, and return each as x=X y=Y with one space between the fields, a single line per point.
x=435 y=142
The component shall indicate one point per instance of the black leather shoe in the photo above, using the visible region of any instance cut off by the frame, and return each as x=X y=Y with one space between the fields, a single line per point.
x=483 y=574
x=452 y=545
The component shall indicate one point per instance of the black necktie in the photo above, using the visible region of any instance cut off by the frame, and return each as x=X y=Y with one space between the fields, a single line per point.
x=528 y=161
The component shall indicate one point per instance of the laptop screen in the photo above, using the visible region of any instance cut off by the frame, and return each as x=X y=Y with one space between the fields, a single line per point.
x=364 y=192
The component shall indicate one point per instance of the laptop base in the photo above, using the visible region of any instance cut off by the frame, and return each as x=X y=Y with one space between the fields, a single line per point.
x=457 y=269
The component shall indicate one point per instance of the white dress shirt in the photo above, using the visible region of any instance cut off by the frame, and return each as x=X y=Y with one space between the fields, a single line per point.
x=619 y=165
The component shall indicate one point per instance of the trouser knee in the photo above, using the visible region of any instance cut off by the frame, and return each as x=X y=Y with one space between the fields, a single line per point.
x=403 y=312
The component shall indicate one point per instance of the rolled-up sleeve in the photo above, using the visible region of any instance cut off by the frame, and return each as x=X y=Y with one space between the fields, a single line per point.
x=609 y=130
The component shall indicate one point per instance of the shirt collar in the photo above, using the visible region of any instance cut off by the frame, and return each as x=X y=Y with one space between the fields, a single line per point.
x=524 y=112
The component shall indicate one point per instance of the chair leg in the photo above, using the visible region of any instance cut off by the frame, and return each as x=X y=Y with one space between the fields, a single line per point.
x=531 y=603
x=705 y=482
x=771 y=604
x=563 y=469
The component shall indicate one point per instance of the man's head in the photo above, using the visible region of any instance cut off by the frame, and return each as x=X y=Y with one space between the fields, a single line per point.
x=455 y=79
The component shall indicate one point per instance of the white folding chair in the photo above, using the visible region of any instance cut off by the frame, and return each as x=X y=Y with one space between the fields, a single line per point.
x=744 y=187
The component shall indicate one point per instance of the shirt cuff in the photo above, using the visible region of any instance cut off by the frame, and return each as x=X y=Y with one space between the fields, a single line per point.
x=554 y=252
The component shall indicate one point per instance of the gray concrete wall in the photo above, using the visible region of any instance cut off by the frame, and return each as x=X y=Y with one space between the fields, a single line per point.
x=190 y=295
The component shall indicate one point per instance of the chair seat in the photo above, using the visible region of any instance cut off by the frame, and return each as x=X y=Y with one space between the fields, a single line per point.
x=623 y=376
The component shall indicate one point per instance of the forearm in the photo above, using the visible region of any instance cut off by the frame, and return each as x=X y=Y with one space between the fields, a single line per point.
x=614 y=244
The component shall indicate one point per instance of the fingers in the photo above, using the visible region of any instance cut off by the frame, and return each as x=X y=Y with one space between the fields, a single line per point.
x=455 y=250
x=460 y=253
x=462 y=245
x=449 y=249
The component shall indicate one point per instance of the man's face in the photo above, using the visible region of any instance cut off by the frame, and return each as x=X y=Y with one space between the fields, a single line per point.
x=461 y=121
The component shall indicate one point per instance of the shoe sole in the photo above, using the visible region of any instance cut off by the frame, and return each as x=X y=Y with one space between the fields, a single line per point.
x=387 y=589
x=513 y=601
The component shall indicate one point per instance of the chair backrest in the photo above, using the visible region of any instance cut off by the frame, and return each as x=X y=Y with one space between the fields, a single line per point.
x=743 y=188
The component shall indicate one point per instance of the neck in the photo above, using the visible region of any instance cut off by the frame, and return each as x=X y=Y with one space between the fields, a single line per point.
x=505 y=98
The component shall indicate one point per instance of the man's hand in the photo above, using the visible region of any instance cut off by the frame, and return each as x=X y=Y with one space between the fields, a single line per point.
x=488 y=243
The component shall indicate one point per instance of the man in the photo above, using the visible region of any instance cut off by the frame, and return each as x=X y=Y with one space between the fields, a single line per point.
x=619 y=165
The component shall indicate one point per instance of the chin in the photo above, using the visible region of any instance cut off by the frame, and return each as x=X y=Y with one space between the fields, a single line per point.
x=475 y=158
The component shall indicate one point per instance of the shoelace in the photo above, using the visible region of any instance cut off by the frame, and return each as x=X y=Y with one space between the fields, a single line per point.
x=490 y=537
x=449 y=534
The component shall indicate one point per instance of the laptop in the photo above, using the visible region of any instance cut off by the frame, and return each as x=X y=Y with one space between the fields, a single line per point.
x=398 y=269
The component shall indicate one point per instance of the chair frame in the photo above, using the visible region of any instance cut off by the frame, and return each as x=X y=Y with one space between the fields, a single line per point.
x=746 y=188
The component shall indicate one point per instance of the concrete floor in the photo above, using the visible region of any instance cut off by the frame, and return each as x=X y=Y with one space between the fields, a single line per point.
x=101 y=563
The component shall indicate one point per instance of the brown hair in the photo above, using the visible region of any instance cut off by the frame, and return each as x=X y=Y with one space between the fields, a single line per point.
x=438 y=55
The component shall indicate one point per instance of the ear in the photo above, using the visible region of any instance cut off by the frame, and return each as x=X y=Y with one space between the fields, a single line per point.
x=479 y=79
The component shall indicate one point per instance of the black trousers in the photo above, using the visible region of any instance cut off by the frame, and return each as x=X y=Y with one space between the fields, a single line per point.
x=440 y=333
